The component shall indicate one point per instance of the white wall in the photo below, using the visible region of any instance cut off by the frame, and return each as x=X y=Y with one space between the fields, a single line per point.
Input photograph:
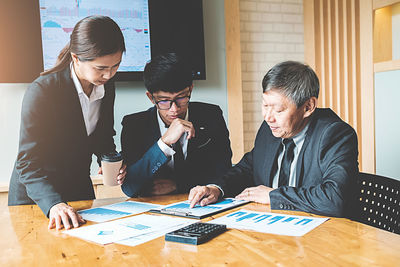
x=130 y=96
x=387 y=94
x=387 y=123
x=271 y=31
x=10 y=110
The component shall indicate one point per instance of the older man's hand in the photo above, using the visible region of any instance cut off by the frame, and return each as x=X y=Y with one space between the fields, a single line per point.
x=258 y=194
x=203 y=195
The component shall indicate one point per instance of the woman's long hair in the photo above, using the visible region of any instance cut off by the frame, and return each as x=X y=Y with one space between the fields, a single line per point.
x=92 y=37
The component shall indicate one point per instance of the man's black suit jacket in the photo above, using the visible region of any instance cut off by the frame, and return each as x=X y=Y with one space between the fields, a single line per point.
x=208 y=154
x=326 y=169
x=55 y=152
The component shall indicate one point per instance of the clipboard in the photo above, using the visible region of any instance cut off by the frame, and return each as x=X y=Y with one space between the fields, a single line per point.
x=182 y=208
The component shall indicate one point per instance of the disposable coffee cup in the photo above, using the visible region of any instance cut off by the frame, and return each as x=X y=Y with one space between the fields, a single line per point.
x=111 y=164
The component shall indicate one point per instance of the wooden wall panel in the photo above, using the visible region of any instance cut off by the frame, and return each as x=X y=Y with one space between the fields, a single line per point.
x=20 y=44
x=366 y=78
x=234 y=78
x=383 y=3
x=387 y=66
x=383 y=34
x=333 y=48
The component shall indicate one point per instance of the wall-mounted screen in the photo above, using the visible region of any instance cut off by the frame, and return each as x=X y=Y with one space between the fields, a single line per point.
x=58 y=18
x=150 y=27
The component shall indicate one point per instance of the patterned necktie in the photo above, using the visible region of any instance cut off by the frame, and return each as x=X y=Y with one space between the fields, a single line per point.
x=284 y=173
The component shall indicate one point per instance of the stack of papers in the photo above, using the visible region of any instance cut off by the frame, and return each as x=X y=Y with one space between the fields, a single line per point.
x=138 y=229
x=130 y=231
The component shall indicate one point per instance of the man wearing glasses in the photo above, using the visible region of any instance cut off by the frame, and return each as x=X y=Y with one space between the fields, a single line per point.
x=176 y=144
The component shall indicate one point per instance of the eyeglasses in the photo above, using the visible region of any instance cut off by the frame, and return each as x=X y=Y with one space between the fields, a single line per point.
x=167 y=104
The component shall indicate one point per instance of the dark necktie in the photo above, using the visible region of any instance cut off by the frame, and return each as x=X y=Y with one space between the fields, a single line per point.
x=178 y=157
x=284 y=173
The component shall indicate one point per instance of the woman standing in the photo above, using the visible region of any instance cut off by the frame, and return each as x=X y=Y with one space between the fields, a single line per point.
x=67 y=115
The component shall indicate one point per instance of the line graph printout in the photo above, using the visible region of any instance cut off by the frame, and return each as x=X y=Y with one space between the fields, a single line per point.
x=183 y=208
x=58 y=18
x=140 y=228
x=272 y=223
x=116 y=211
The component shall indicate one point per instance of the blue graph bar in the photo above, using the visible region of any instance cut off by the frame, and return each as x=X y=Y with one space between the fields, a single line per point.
x=261 y=218
x=103 y=212
x=289 y=219
x=187 y=206
x=105 y=233
x=132 y=206
x=275 y=219
x=305 y=221
x=237 y=214
x=137 y=226
x=250 y=215
x=224 y=202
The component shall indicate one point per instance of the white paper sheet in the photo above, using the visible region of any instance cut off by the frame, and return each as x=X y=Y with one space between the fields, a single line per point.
x=272 y=223
x=116 y=211
x=132 y=227
x=170 y=223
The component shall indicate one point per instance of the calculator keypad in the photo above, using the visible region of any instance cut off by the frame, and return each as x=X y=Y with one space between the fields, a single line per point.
x=196 y=233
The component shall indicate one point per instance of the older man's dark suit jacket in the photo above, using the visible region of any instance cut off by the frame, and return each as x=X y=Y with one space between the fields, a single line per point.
x=55 y=153
x=326 y=169
x=208 y=156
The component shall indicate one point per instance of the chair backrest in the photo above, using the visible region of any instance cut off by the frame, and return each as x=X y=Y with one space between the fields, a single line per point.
x=379 y=202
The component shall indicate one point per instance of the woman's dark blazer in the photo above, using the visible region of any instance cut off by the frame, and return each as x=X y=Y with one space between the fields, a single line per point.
x=55 y=152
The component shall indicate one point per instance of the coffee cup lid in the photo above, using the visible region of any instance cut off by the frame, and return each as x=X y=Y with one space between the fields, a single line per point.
x=111 y=157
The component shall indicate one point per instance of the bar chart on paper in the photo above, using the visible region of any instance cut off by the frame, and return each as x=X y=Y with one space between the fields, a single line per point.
x=130 y=231
x=272 y=223
x=101 y=214
x=116 y=211
x=183 y=208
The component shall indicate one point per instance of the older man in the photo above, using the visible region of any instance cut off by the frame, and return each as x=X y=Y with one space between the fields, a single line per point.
x=304 y=158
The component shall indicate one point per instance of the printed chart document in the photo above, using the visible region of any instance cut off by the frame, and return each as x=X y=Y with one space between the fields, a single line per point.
x=116 y=211
x=199 y=212
x=138 y=227
x=169 y=224
x=272 y=223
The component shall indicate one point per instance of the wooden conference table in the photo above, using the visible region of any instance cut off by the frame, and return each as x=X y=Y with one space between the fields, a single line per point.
x=26 y=241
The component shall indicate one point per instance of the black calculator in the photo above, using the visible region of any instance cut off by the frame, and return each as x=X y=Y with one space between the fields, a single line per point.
x=196 y=233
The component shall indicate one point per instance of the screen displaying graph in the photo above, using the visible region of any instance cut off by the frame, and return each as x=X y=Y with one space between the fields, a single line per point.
x=274 y=223
x=58 y=18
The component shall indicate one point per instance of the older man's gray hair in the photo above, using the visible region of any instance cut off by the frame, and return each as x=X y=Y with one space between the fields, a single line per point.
x=295 y=80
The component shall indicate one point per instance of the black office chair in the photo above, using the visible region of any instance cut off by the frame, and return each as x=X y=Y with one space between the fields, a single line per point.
x=379 y=202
